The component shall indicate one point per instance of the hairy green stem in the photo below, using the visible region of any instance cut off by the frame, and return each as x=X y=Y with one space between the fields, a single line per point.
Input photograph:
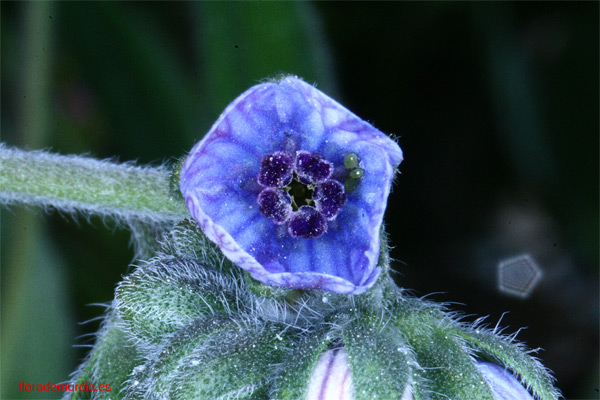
x=86 y=185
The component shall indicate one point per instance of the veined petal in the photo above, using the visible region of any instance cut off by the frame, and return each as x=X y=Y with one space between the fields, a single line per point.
x=219 y=183
x=332 y=380
x=331 y=377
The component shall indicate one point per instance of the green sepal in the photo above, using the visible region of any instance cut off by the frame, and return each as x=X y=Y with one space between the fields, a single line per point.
x=186 y=240
x=175 y=179
x=110 y=363
x=291 y=381
x=216 y=358
x=267 y=291
x=448 y=369
x=169 y=293
x=380 y=361
x=513 y=356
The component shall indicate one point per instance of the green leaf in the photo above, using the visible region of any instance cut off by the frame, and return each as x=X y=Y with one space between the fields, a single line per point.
x=37 y=325
x=240 y=43
x=141 y=85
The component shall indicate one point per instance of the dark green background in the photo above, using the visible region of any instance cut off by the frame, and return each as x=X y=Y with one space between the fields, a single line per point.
x=495 y=106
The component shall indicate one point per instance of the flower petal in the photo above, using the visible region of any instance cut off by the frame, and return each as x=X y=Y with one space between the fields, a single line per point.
x=331 y=377
x=219 y=183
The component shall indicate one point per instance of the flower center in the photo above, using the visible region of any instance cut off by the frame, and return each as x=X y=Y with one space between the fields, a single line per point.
x=301 y=194
x=298 y=190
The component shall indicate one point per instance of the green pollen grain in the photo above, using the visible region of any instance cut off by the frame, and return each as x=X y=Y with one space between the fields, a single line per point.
x=350 y=161
x=357 y=173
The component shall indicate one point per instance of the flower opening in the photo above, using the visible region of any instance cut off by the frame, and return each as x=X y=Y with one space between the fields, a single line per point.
x=292 y=187
x=299 y=191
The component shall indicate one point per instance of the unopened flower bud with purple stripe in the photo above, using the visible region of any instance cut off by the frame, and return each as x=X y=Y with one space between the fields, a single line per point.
x=504 y=385
x=331 y=377
x=332 y=380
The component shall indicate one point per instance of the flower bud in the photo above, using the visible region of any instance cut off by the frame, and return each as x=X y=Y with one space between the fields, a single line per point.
x=504 y=385
x=187 y=324
x=331 y=377
x=332 y=380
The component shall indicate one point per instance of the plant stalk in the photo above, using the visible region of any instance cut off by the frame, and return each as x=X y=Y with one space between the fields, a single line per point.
x=92 y=187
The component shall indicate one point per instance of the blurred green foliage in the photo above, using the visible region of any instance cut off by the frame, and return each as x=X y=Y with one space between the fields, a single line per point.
x=495 y=104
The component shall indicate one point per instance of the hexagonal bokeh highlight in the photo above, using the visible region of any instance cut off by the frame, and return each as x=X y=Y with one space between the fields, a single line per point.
x=518 y=276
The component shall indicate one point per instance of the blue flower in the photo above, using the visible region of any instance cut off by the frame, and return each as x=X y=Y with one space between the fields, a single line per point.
x=292 y=187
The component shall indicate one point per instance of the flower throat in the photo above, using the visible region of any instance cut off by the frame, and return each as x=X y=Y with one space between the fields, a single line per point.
x=299 y=191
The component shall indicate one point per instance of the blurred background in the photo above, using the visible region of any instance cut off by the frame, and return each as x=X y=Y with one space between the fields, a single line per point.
x=494 y=104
